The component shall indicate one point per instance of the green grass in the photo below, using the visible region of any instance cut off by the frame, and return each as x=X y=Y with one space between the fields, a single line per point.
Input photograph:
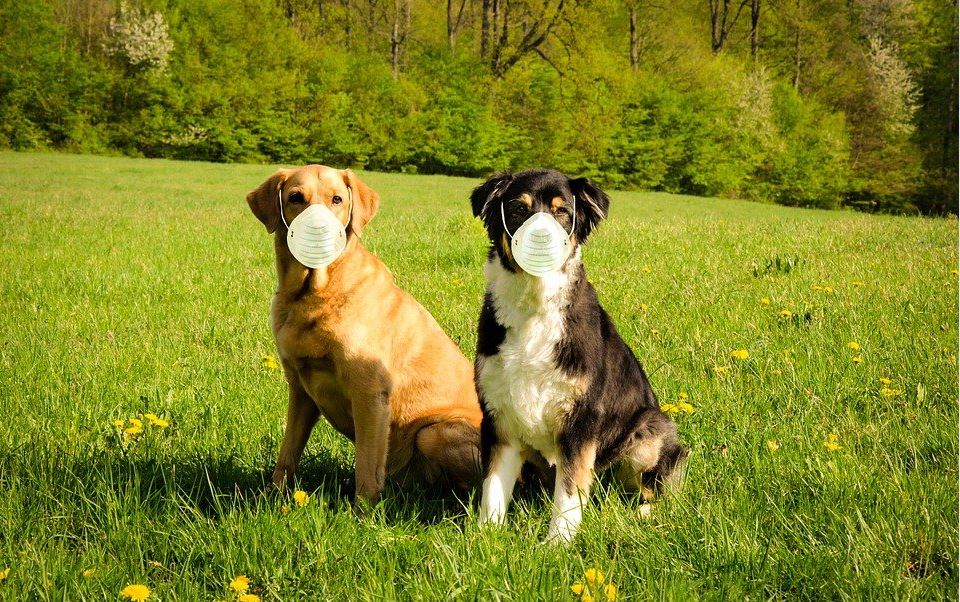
x=133 y=286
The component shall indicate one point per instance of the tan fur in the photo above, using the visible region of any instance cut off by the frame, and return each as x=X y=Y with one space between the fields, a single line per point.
x=578 y=475
x=362 y=352
x=642 y=457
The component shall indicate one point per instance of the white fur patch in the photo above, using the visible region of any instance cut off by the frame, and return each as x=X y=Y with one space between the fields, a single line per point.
x=528 y=396
x=567 y=514
x=498 y=486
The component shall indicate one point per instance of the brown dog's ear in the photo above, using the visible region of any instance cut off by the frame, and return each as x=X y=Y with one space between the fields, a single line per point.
x=265 y=201
x=365 y=201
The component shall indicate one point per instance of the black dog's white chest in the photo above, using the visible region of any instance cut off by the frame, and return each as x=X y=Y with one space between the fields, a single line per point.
x=524 y=389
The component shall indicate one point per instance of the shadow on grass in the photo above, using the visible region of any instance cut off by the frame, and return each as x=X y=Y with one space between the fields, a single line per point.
x=218 y=484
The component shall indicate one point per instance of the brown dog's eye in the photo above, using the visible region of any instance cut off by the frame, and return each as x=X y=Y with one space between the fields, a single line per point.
x=295 y=198
x=337 y=199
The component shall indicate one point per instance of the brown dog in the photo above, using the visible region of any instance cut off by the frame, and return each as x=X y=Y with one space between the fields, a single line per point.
x=361 y=351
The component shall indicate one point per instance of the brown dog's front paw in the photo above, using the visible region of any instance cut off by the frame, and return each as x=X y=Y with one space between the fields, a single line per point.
x=364 y=504
x=281 y=478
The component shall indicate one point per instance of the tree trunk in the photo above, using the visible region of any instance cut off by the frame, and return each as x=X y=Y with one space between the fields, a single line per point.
x=485 y=30
x=398 y=33
x=754 y=29
x=722 y=22
x=454 y=23
x=796 y=50
x=634 y=39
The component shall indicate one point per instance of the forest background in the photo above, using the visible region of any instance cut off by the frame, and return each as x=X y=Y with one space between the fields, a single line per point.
x=827 y=104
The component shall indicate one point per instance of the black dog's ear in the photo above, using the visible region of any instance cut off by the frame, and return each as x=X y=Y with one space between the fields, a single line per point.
x=482 y=195
x=592 y=206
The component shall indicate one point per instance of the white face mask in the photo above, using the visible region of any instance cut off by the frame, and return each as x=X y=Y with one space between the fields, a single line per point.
x=540 y=245
x=316 y=237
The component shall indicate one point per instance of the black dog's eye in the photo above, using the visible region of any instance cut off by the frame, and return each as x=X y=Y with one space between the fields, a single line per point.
x=337 y=199
x=296 y=198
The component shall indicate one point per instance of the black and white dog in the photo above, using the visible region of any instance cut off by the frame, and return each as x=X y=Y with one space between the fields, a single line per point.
x=553 y=375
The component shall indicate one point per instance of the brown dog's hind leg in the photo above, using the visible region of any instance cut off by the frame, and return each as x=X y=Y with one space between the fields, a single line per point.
x=453 y=446
x=302 y=414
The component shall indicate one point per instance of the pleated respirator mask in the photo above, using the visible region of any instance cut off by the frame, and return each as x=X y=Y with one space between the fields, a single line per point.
x=316 y=237
x=540 y=245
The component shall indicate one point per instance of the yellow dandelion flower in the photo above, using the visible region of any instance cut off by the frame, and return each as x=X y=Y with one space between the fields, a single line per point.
x=594 y=576
x=857 y=282
x=4 y=573
x=954 y=273
x=786 y=314
x=816 y=287
x=669 y=409
x=586 y=596
x=645 y=270
x=857 y=359
x=576 y=588
x=685 y=407
x=853 y=345
x=655 y=332
x=136 y=422
x=773 y=445
x=136 y=592
x=644 y=307
x=248 y=598
x=764 y=300
x=119 y=423
x=885 y=381
x=268 y=362
x=240 y=584
x=610 y=591
x=831 y=444
x=302 y=498
x=888 y=392
x=156 y=420
x=720 y=370
x=133 y=431
x=776 y=372
x=155 y=564
x=740 y=354
x=88 y=573
x=828 y=289
x=682 y=395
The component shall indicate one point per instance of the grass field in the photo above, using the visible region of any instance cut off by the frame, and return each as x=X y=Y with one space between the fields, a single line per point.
x=132 y=287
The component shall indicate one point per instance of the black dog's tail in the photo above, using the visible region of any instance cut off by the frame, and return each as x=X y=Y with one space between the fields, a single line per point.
x=670 y=471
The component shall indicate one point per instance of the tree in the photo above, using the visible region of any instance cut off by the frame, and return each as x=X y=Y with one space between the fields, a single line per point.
x=500 y=42
x=456 y=19
x=399 y=31
x=723 y=18
x=140 y=38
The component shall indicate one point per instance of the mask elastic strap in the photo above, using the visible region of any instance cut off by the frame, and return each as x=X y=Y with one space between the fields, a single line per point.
x=280 y=202
x=287 y=226
x=350 y=214
x=503 y=217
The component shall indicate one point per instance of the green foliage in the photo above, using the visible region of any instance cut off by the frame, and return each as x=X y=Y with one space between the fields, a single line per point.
x=816 y=119
x=808 y=165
